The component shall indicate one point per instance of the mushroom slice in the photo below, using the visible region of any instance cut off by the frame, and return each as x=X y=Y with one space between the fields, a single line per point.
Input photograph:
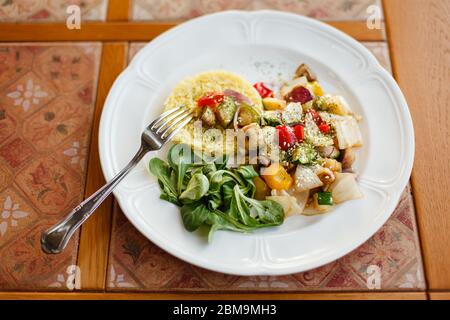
x=348 y=157
x=304 y=71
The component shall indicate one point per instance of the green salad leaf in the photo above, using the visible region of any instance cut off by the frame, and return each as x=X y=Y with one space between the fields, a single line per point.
x=196 y=188
x=211 y=194
x=194 y=215
x=164 y=174
x=180 y=159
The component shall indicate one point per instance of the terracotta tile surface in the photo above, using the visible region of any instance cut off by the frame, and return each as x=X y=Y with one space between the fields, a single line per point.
x=186 y=9
x=50 y=10
x=46 y=108
x=137 y=264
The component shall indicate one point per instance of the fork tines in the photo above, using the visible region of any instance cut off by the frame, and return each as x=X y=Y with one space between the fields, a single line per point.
x=170 y=122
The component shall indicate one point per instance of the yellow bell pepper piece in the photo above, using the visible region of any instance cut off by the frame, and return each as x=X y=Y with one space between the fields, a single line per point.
x=317 y=89
x=277 y=177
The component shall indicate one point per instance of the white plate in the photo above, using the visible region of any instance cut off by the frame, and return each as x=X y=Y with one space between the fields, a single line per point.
x=261 y=46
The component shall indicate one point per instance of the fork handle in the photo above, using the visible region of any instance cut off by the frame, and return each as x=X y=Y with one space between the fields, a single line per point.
x=55 y=239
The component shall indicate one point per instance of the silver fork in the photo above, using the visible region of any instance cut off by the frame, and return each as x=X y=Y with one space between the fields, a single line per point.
x=160 y=131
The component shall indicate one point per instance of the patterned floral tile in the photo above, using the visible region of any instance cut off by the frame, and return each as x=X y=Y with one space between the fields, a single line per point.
x=27 y=94
x=160 y=10
x=137 y=264
x=50 y=10
x=46 y=109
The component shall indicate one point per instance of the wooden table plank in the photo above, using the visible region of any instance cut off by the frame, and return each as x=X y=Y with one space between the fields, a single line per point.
x=439 y=295
x=420 y=49
x=135 y=31
x=95 y=233
x=199 y=296
x=118 y=10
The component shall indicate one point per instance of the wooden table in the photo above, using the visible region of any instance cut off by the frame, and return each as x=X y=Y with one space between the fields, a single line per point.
x=417 y=33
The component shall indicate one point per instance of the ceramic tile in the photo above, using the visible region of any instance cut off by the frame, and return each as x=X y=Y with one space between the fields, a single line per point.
x=45 y=128
x=161 y=10
x=50 y=10
x=394 y=249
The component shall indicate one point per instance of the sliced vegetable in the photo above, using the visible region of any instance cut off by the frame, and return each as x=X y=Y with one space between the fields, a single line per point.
x=328 y=152
x=306 y=179
x=273 y=104
x=304 y=71
x=301 y=198
x=292 y=114
x=304 y=153
x=316 y=88
x=277 y=177
x=325 y=198
x=333 y=104
x=299 y=132
x=291 y=85
x=286 y=137
x=211 y=99
x=325 y=175
x=271 y=118
x=248 y=115
x=237 y=97
x=313 y=135
x=289 y=204
x=347 y=132
x=294 y=201
x=299 y=94
x=269 y=145
x=345 y=188
x=321 y=208
x=225 y=112
x=348 y=157
x=263 y=91
x=208 y=117
x=324 y=128
x=262 y=190
x=332 y=164
x=315 y=116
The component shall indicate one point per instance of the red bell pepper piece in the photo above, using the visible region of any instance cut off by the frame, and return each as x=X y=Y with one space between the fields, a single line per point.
x=263 y=91
x=286 y=137
x=316 y=117
x=211 y=100
x=299 y=132
x=324 y=128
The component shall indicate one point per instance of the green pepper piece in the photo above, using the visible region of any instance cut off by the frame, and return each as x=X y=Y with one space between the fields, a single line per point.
x=325 y=198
